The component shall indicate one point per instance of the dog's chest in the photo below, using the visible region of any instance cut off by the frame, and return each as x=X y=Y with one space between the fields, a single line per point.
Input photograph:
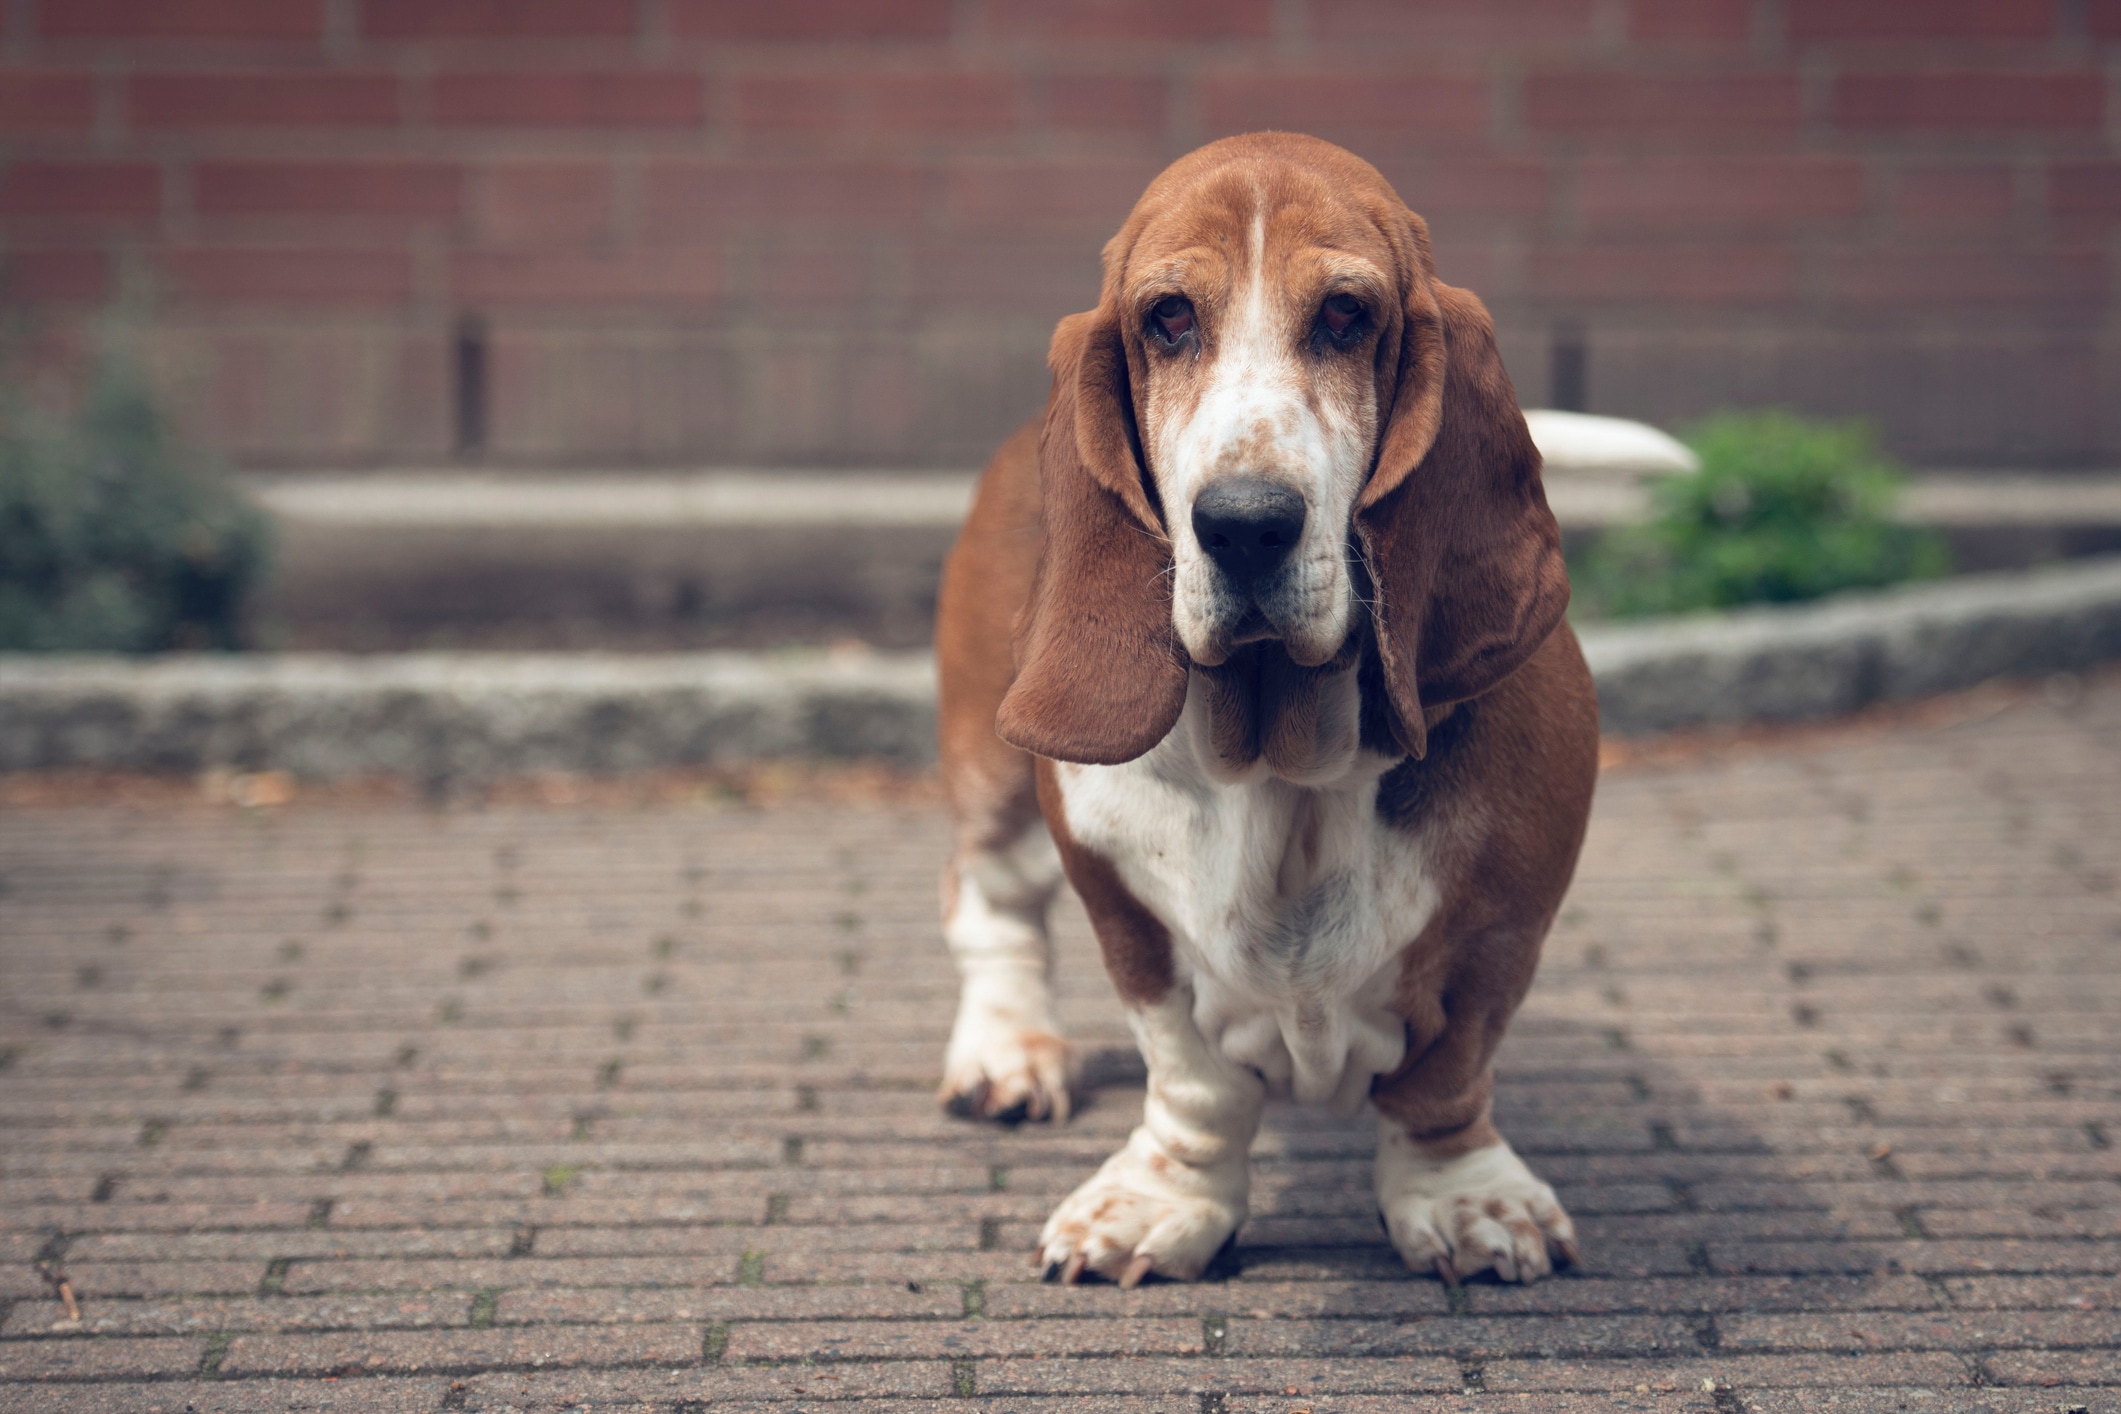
x=1288 y=907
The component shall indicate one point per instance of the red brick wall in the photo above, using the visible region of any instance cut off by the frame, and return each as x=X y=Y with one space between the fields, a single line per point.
x=838 y=231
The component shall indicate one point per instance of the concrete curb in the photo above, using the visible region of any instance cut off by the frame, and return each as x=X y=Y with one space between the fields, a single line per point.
x=435 y=716
x=1822 y=660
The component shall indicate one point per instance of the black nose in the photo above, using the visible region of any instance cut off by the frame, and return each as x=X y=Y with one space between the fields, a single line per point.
x=1248 y=525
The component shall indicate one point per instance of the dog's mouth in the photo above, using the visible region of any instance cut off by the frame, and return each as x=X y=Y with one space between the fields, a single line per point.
x=1218 y=614
x=1300 y=639
x=1252 y=627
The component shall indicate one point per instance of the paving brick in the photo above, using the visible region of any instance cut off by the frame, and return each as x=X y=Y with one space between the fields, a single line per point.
x=1222 y=1376
x=411 y=1351
x=588 y=1305
x=101 y=1315
x=1787 y=1371
x=944 y=1340
x=1469 y=1337
x=94 y=1280
x=414 y=1395
x=717 y=1385
x=318 y=1275
x=1259 y=1299
x=73 y=1357
x=2049 y=1368
x=311 y=1239
x=734 y=1194
x=2074 y=1293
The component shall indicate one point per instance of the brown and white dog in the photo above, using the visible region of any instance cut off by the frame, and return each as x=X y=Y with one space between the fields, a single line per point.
x=1291 y=704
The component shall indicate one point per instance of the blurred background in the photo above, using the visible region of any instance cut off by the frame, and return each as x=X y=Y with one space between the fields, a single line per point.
x=462 y=285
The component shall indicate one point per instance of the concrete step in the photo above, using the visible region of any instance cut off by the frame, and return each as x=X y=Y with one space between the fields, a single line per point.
x=442 y=558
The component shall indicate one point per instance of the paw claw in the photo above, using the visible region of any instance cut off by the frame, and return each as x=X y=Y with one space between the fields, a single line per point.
x=1445 y=1272
x=1072 y=1273
x=1136 y=1270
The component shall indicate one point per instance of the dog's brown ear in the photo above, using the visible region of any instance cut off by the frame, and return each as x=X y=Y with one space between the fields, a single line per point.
x=1100 y=675
x=1463 y=554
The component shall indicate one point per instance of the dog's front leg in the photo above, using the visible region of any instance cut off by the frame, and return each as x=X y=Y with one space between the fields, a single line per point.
x=1453 y=1194
x=1169 y=1200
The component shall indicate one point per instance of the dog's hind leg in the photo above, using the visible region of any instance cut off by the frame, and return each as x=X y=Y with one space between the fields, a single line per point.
x=1006 y=1058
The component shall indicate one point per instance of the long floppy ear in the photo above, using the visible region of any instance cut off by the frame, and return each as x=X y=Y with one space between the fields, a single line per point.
x=1100 y=676
x=1463 y=554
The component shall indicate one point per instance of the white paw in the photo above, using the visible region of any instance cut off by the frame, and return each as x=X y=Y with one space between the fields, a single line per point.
x=1144 y=1212
x=1480 y=1211
x=1002 y=1065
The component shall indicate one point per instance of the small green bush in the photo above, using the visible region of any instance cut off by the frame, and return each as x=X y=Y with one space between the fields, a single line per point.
x=114 y=537
x=1783 y=509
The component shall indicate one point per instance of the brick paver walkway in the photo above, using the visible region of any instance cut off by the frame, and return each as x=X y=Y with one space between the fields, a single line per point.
x=380 y=1107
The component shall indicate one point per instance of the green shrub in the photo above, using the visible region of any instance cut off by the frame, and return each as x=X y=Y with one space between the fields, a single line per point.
x=1783 y=509
x=116 y=537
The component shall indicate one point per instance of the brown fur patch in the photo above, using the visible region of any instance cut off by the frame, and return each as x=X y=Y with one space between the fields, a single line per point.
x=1135 y=943
x=1509 y=785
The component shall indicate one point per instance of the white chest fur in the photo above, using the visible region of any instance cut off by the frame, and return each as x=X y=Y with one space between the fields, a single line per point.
x=1288 y=905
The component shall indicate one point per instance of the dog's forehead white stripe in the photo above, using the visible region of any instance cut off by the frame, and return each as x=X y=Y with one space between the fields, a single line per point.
x=1253 y=396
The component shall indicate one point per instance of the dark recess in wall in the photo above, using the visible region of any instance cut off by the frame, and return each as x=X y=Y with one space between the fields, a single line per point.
x=470 y=401
x=1568 y=380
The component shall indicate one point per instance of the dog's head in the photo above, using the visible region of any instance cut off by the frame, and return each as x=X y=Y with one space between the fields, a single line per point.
x=1275 y=416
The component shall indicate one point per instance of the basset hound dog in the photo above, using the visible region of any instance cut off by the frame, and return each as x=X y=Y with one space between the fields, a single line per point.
x=1256 y=637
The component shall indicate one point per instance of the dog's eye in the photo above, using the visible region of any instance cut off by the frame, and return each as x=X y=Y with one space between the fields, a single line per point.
x=1171 y=319
x=1342 y=317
